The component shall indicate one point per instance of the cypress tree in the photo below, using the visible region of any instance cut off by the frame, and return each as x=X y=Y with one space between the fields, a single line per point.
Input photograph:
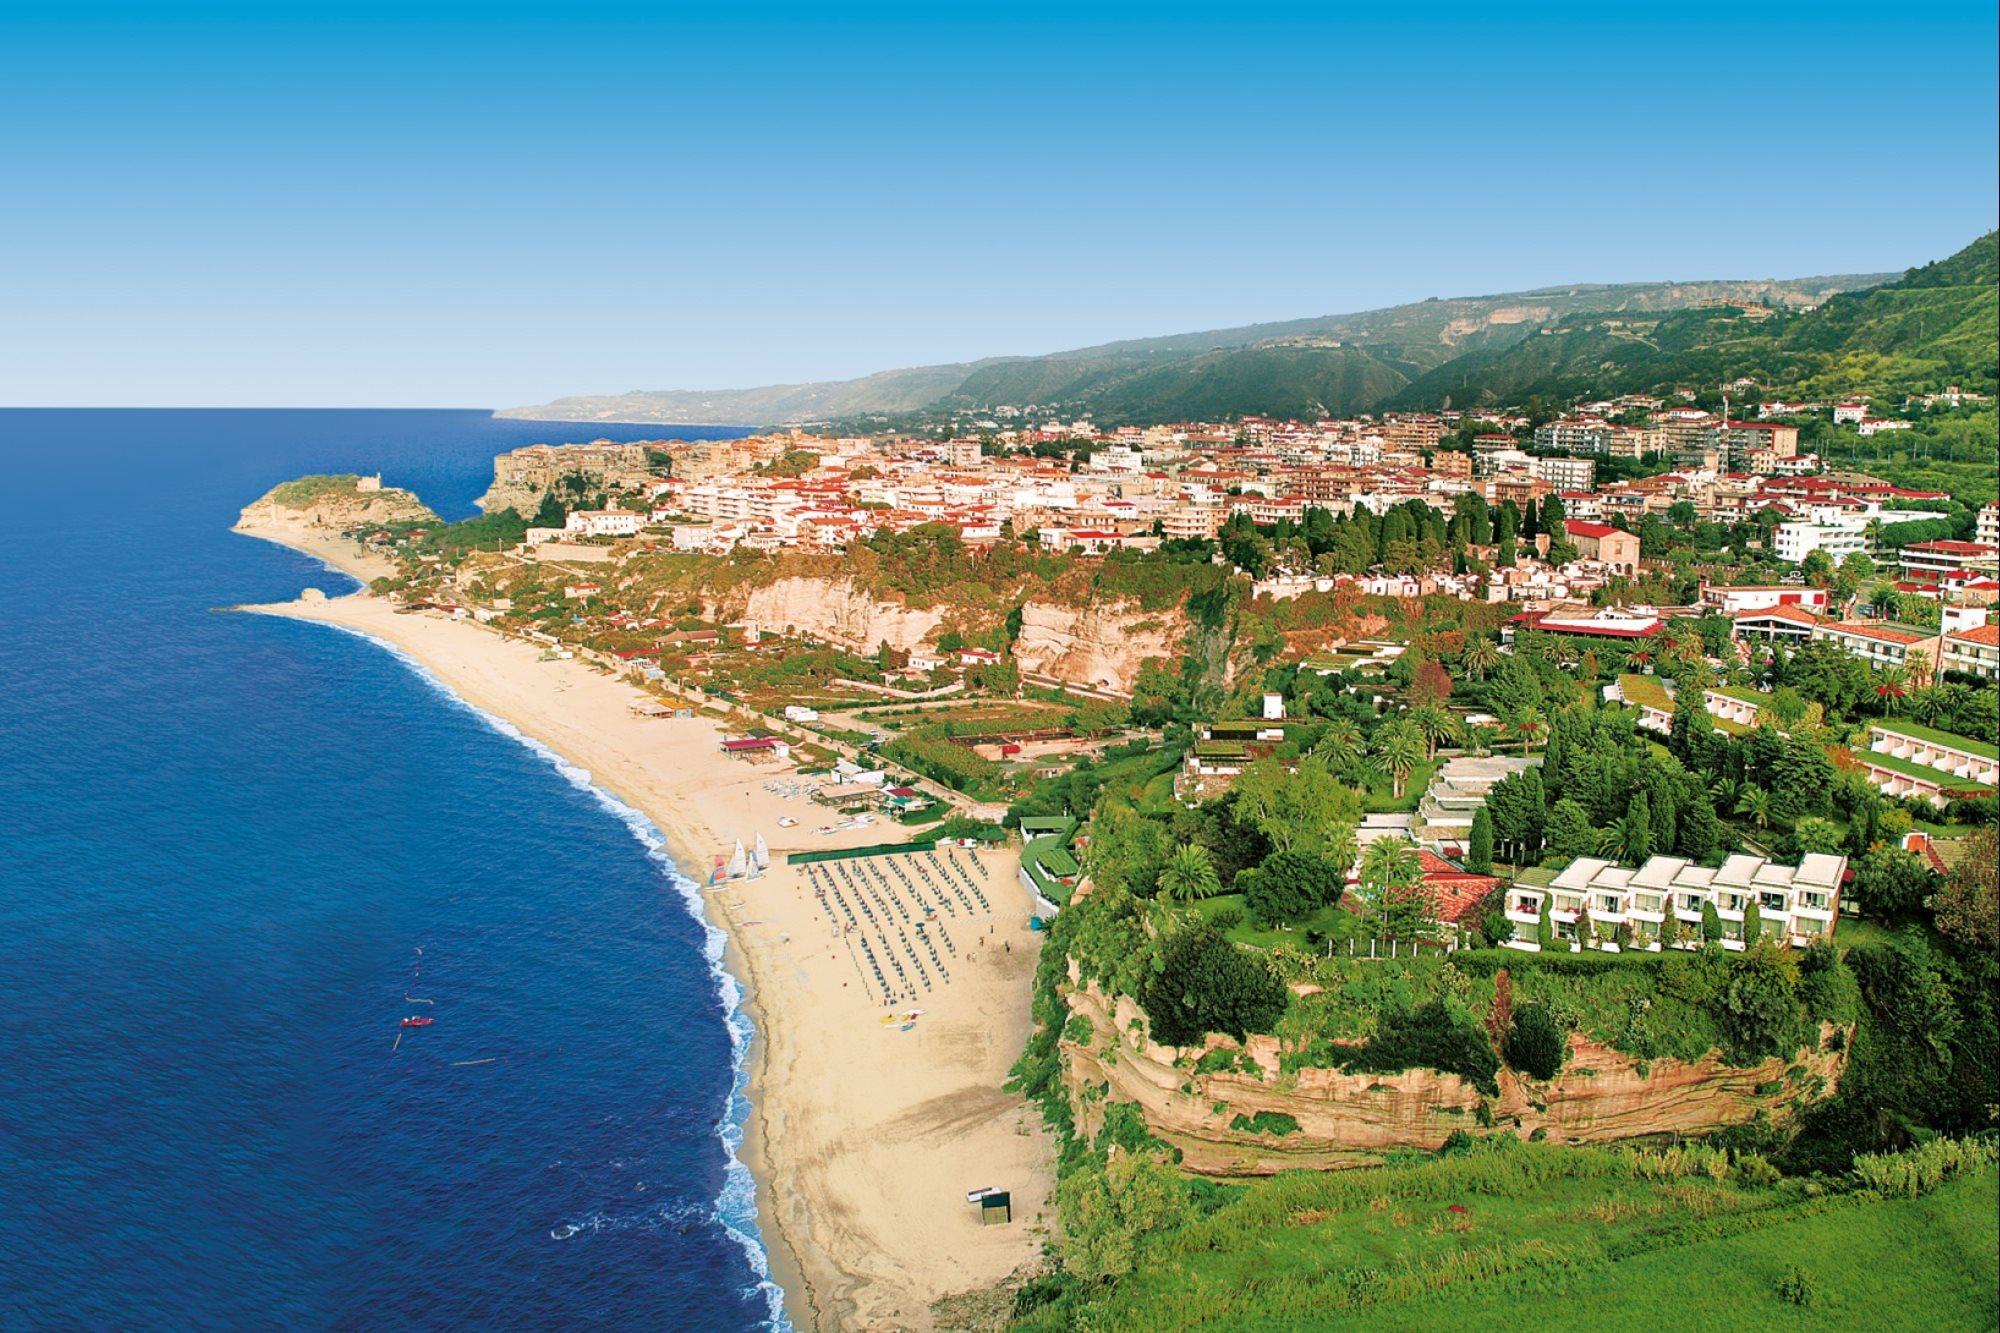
x=1479 y=856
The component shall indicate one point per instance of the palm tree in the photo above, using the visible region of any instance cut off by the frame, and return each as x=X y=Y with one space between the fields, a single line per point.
x=1481 y=655
x=1340 y=746
x=1917 y=666
x=1756 y=803
x=1726 y=792
x=1526 y=723
x=1436 y=725
x=1390 y=868
x=1188 y=874
x=1933 y=703
x=1400 y=748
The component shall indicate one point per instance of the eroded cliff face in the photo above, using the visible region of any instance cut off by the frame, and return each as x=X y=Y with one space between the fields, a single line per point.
x=1600 y=1096
x=1097 y=647
x=839 y=612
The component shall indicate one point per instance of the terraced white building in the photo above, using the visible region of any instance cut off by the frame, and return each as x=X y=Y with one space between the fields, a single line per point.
x=1795 y=904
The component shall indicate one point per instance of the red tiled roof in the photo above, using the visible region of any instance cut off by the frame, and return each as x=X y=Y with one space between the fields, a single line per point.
x=1796 y=613
x=1579 y=528
x=1886 y=633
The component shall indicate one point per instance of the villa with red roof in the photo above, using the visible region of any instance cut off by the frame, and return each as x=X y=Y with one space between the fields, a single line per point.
x=1612 y=547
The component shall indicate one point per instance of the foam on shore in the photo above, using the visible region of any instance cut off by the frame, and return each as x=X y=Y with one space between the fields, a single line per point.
x=735 y=1208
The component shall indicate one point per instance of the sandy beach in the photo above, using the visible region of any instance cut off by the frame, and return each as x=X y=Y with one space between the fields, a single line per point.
x=864 y=1137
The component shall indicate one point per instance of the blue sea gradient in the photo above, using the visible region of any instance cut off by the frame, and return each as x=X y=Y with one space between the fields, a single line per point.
x=236 y=851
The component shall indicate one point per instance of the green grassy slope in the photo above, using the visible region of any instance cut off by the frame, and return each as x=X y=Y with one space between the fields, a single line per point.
x=1557 y=1237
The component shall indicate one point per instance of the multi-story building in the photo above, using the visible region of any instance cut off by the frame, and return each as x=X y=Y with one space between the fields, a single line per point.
x=1769 y=439
x=1450 y=463
x=1566 y=474
x=1190 y=522
x=1975 y=651
x=1986 y=529
x=1635 y=441
x=1418 y=432
x=1926 y=561
x=1523 y=490
x=1839 y=535
x=1882 y=646
x=1574 y=435
x=1795 y=904
x=1905 y=759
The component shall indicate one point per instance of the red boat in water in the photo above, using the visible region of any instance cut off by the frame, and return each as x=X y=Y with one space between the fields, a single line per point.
x=416 y=1021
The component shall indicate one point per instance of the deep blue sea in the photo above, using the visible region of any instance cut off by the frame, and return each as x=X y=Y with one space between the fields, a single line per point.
x=231 y=846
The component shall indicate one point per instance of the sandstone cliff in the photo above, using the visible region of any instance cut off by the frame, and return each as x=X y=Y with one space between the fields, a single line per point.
x=840 y=612
x=1344 y=1119
x=1099 y=647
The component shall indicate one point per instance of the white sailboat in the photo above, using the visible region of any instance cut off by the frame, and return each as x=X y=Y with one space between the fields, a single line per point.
x=760 y=854
x=737 y=868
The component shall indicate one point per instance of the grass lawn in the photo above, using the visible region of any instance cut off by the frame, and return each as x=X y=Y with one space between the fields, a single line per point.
x=1547 y=1237
x=1328 y=920
x=1910 y=1263
x=1380 y=798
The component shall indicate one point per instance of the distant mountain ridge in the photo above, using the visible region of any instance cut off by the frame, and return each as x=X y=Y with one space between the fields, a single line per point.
x=1462 y=351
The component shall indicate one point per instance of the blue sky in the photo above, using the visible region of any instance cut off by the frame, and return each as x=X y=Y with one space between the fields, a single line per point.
x=485 y=205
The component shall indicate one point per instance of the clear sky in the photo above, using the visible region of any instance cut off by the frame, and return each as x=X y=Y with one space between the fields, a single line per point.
x=491 y=204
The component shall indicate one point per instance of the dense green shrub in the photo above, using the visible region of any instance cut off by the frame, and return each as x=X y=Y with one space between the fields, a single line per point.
x=1536 y=1044
x=1434 y=1036
x=1206 y=984
x=1290 y=886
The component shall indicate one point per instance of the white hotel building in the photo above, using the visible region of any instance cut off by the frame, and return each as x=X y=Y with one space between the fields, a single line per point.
x=1796 y=904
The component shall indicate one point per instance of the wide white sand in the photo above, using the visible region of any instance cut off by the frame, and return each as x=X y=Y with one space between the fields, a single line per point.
x=864 y=1138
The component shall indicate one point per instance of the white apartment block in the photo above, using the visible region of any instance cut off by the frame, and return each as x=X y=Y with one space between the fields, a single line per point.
x=1839 y=535
x=1566 y=474
x=1795 y=904
x=1986 y=530
x=603 y=522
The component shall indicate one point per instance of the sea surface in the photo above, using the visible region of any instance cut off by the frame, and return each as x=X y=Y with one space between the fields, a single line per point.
x=236 y=851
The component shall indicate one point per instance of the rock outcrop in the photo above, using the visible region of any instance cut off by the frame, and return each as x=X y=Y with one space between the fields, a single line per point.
x=521 y=477
x=1098 y=647
x=333 y=504
x=1601 y=1095
x=840 y=612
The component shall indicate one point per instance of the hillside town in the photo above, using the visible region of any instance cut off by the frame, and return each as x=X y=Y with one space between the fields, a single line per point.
x=1492 y=760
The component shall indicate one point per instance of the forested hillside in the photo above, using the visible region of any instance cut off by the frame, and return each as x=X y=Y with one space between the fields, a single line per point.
x=1333 y=363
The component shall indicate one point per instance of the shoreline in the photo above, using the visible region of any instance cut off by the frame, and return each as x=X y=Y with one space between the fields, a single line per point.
x=875 y=1133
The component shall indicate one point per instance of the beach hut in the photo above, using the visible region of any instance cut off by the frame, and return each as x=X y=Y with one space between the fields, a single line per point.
x=996 y=1208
